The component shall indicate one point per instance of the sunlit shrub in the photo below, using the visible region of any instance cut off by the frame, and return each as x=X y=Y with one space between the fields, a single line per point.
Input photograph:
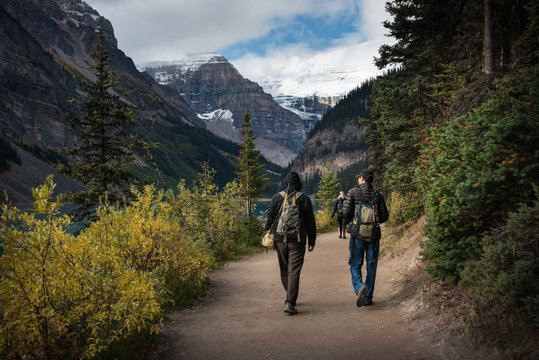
x=72 y=296
x=61 y=295
x=152 y=237
x=324 y=221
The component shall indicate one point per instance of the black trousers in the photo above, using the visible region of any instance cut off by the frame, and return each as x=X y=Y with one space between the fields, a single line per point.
x=342 y=225
x=291 y=256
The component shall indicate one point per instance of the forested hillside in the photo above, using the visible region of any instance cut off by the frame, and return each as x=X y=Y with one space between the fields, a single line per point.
x=338 y=139
x=454 y=136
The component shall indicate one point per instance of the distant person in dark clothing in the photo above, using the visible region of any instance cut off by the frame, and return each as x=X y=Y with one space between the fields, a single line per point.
x=337 y=209
x=361 y=248
x=291 y=249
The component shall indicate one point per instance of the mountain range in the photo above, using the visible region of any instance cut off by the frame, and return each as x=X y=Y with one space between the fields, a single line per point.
x=220 y=96
x=42 y=67
x=192 y=108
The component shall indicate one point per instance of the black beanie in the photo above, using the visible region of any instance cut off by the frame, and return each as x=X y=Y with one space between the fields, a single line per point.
x=293 y=180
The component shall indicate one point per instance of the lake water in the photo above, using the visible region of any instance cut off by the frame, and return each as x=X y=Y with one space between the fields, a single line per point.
x=262 y=205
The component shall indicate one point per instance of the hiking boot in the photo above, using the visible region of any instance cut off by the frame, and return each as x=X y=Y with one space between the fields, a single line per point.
x=367 y=302
x=290 y=309
x=361 y=295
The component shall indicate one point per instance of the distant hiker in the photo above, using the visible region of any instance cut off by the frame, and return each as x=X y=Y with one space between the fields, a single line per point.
x=294 y=212
x=337 y=209
x=365 y=209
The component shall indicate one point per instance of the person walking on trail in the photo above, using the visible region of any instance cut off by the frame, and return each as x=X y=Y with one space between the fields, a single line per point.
x=365 y=209
x=294 y=213
x=340 y=218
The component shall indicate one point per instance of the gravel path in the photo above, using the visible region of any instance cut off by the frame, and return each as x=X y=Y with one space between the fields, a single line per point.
x=242 y=316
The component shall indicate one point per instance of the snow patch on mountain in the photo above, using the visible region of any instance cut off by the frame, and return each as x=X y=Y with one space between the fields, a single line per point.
x=218 y=115
x=190 y=62
x=78 y=12
x=288 y=102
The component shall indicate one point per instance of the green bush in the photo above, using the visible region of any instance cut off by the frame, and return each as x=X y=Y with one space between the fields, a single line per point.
x=505 y=282
x=403 y=208
x=477 y=169
x=324 y=221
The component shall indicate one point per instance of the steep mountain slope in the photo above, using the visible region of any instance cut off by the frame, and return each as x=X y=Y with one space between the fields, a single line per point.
x=220 y=96
x=339 y=138
x=45 y=44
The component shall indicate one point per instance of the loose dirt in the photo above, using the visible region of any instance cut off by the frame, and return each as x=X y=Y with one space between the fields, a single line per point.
x=242 y=316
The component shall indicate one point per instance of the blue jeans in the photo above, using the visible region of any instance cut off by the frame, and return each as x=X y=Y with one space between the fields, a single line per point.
x=360 y=249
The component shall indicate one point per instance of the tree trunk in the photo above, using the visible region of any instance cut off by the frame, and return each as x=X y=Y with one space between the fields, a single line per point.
x=488 y=50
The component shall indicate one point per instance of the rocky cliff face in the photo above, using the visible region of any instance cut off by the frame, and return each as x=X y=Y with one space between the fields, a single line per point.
x=339 y=148
x=220 y=96
x=310 y=109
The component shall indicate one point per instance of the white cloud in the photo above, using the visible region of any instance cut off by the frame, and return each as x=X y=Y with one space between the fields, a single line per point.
x=150 y=30
x=160 y=29
x=302 y=72
x=298 y=70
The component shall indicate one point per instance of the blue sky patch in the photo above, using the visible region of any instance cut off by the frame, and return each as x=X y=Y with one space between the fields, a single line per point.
x=314 y=32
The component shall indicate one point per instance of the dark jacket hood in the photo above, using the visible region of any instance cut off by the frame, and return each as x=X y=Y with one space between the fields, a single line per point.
x=293 y=182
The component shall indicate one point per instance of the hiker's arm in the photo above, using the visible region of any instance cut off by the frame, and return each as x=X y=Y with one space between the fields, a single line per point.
x=348 y=206
x=335 y=208
x=310 y=223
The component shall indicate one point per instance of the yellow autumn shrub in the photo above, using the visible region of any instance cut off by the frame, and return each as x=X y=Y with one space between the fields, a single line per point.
x=152 y=236
x=65 y=296
x=72 y=296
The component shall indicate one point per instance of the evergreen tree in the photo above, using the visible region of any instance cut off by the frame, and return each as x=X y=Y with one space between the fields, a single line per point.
x=328 y=189
x=103 y=148
x=250 y=174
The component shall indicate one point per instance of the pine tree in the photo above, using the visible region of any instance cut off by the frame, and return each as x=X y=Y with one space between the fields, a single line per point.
x=251 y=172
x=103 y=148
x=328 y=189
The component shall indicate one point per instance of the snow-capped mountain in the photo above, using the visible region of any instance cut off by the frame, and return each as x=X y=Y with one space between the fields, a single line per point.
x=220 y=95
x=332 y=73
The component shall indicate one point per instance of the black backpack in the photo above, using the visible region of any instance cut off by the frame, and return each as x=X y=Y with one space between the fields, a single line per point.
x=339 y=206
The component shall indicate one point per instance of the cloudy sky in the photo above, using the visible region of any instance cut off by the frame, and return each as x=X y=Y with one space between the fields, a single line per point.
x=294 y=47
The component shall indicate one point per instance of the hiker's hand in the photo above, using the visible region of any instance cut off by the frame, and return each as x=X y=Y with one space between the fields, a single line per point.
x=311 y=247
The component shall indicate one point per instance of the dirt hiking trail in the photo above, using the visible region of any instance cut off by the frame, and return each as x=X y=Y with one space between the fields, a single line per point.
x=242 y=316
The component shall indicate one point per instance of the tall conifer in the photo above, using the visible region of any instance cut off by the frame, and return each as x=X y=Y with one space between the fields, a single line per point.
x=251 y=172
x=328 y=189
x=103 y=148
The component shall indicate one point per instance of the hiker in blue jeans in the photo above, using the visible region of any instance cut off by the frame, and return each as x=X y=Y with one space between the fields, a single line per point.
x=359 y=250
x=366 y=249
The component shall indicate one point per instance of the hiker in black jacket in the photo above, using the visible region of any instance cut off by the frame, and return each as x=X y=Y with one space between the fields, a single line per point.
x=337 y=209
x=291 y=249
x=368 y=248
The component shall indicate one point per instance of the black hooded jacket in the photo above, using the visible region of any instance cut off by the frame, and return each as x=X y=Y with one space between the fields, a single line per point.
x=306 y=213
